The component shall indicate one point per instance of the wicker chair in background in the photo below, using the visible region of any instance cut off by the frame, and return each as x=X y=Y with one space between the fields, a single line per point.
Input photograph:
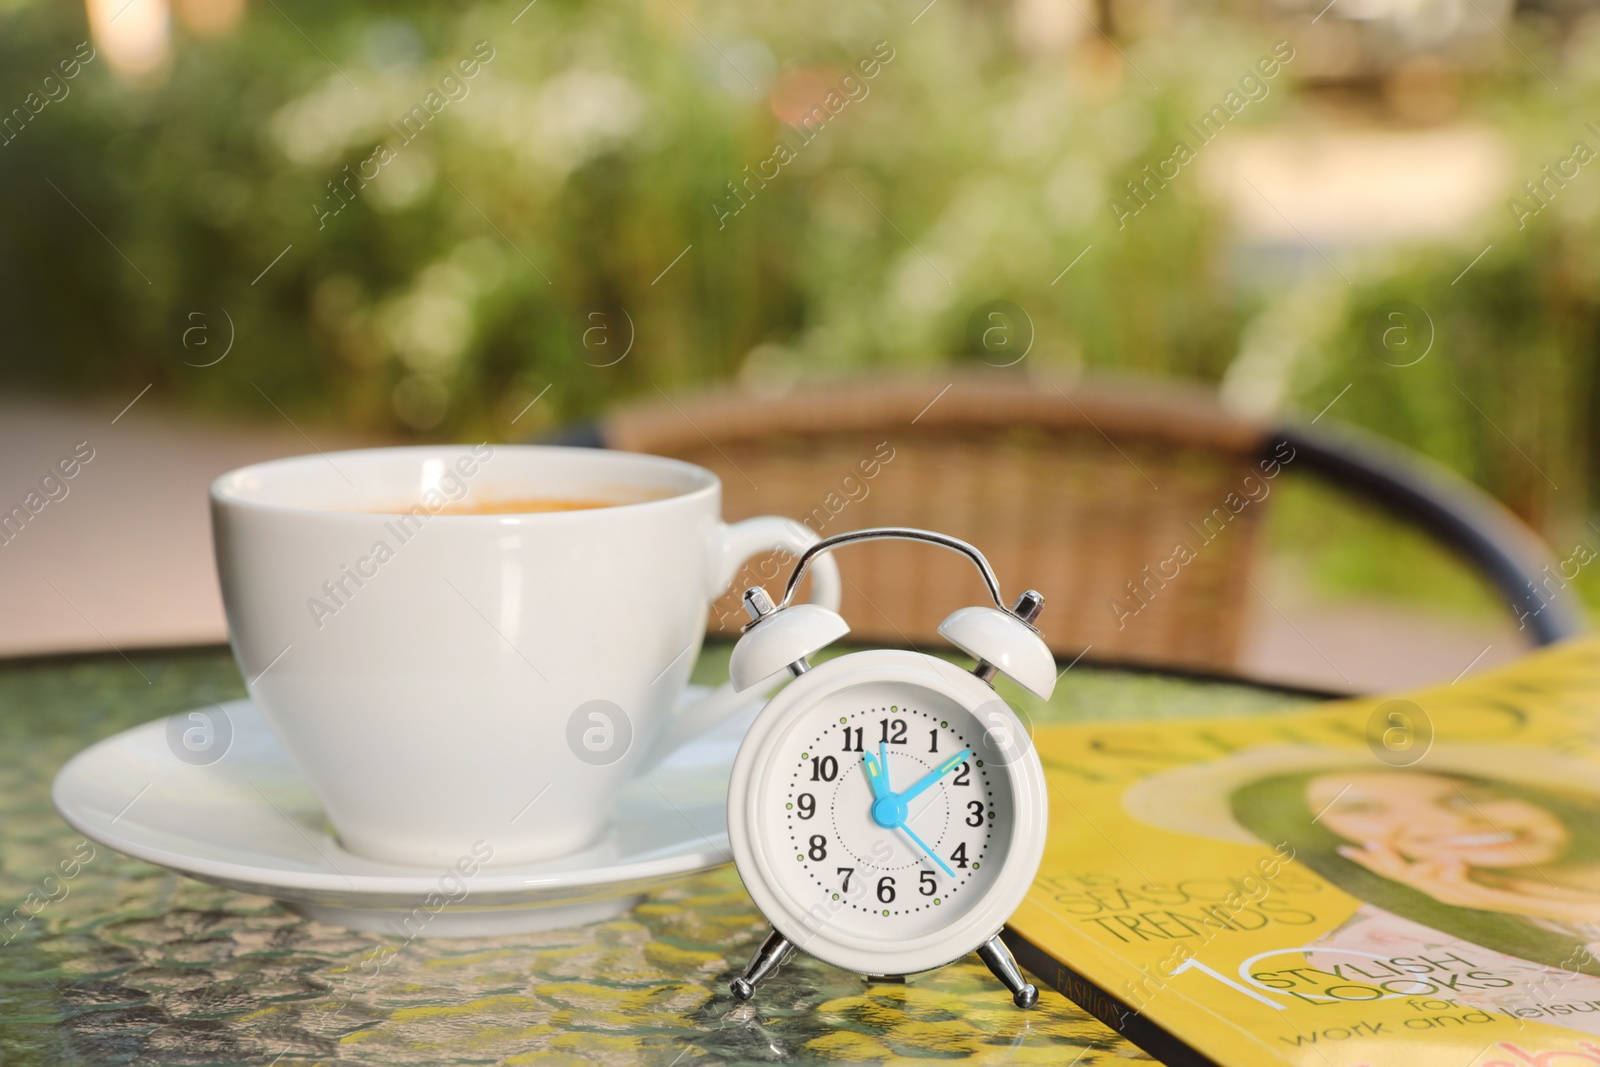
x=1082 y=491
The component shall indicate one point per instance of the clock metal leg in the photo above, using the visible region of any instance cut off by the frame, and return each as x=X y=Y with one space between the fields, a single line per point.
x=768 y=958
x=999 y=960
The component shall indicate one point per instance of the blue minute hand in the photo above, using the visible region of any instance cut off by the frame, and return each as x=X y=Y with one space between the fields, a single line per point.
x=934 y=775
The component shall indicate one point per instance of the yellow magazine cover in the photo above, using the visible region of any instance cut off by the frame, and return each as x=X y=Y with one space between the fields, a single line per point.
x=1390 y=881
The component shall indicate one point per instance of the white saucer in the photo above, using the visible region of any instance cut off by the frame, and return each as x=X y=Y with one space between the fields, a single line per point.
x=249 y=822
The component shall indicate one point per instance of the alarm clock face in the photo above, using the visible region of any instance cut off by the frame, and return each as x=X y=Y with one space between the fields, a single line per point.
x=939 y=848
x=887 y=813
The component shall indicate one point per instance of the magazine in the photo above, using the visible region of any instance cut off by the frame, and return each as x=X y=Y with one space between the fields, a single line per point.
x=1408 y=881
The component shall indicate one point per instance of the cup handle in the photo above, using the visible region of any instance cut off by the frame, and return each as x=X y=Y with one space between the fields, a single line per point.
x=731 y=546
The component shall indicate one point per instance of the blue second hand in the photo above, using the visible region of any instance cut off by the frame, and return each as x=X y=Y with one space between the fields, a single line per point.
x=883 y=790
x=931 y=854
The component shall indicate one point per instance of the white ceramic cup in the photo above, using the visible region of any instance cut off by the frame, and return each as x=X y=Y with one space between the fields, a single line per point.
x=432 y=674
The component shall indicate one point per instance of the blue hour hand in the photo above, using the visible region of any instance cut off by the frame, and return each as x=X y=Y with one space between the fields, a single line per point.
x=877 y=773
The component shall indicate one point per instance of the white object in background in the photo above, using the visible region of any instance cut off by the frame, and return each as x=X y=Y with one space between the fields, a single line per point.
x=135 y=37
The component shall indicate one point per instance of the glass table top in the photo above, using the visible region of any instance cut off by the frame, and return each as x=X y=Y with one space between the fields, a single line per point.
x=127 y=963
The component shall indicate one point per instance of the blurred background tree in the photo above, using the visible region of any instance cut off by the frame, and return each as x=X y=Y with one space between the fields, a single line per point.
x=593 y=149
x=571 y=201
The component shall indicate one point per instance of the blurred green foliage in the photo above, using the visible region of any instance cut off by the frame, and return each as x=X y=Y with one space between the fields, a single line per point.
x=1339 y=549
x=585 y=157
x=571 y=200
x=1506 y=396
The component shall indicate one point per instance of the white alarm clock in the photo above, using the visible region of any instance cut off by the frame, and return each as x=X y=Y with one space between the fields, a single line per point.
x=887 y=810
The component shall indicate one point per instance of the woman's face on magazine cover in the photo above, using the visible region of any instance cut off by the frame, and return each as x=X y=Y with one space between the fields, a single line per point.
x=1436 y=817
